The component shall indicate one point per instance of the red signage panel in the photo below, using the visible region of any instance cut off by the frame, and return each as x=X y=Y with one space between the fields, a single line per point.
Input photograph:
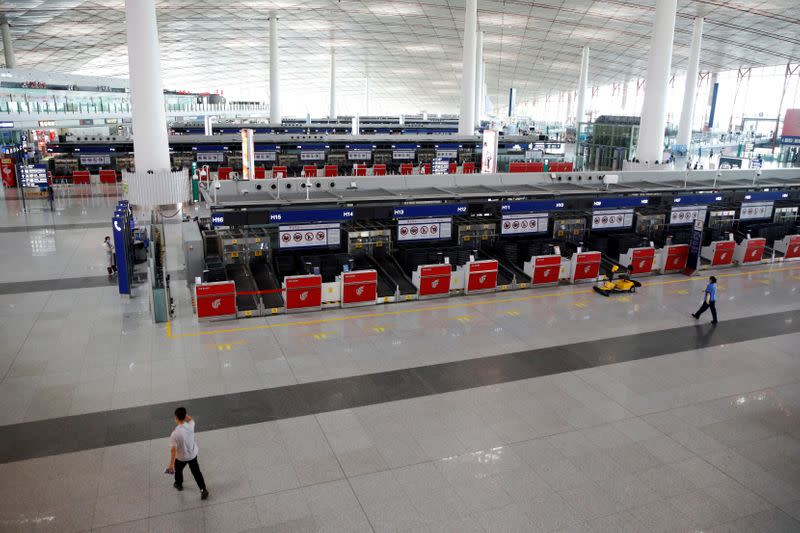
x=434 y=285
x=723 y=253
x=642 y=260
x=359 y=287
x=793 y=250
x=677 y=255
x=303 y=292
x=482 y=275
x=216 y=299
x=754 y=251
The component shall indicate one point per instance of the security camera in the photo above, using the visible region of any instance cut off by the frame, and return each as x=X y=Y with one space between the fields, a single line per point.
x=758 y=172
x=217 y=185
x=719 y=174
x=245 y=191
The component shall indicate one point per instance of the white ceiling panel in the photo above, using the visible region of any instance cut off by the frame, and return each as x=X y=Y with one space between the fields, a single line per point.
x=410 y=49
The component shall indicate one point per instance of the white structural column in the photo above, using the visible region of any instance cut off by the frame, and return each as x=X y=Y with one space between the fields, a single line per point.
x=332 y=113
x=478 y=78
x=651 y=131
x=625 y=94
x=690 y=90
x=274 y=73
x=8 y=46
x=150 y=145
x=583 y=81
x=466 y=116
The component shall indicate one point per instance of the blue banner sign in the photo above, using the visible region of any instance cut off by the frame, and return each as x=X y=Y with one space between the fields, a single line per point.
x=695 y=244
x=540 y=206
x=311 y=215
x=611 y=203
x=209 y=148
x=697 y=199
x=432 y=210
x=765 y=196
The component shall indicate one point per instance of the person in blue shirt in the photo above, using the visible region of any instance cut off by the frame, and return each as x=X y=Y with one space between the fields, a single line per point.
x=709 y=300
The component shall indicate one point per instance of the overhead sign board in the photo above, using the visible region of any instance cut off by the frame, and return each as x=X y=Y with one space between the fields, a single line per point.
x=429 y=210
x=627 y=201
x=697 y=199
x=532 y=206
x=311 y=215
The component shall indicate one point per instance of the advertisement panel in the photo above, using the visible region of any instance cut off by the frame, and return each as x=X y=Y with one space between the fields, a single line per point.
x=489 y=152
x=791 y=127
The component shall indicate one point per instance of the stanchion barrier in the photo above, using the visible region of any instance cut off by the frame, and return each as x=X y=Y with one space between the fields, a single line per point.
x=432 y=281
x=303 y=293
x=359 y=287
x=543 y=270
x=481 y=276
x=789 y=246
x=750 y=251
x=719 y=253
x=639 y=260
x=216 y=300
x=585 y=267
x=674 y=258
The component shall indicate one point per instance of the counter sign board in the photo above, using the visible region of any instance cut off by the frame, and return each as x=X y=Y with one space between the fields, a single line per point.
x=524 y=223
x=309 y=235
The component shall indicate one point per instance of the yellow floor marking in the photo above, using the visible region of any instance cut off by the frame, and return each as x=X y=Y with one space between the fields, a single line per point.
x=681 y=291
x=581 y=305
x=461 y=305
x=512 y=313
x=320 y=336
x=764 y=281
x=379 y=329
x=623 y=298
x=462 y=318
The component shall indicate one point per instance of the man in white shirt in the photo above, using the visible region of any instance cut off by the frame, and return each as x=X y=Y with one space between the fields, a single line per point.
x=183 y=451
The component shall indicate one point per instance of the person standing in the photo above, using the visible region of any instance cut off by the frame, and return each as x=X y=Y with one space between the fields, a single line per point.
x=709 y=300
x=183 y=451
x=111 y=259
x=51 y=197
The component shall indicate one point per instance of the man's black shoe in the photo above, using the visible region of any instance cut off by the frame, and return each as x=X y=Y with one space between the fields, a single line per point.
x=179 y=487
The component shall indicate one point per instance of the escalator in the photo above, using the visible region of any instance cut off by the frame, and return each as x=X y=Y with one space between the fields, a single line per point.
x=266 y=280
x=240 y=275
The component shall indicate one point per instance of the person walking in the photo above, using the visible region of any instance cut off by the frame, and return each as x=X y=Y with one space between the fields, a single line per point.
x=51 y=197
x=183 y=451
x=111 y=258
x=709 y=300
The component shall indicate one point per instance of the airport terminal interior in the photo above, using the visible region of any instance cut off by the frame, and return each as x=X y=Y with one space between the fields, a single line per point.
x=407 y=266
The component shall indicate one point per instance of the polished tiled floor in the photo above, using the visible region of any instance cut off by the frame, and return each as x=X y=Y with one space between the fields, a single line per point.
x=703 y=437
